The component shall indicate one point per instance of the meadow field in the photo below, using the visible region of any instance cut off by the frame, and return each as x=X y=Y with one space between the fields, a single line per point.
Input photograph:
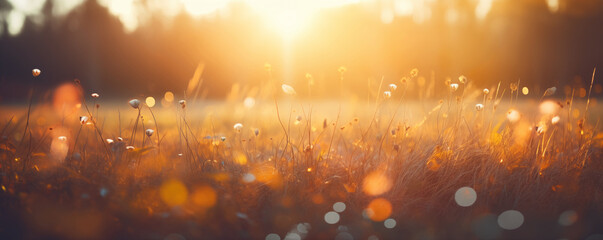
x=445 y=160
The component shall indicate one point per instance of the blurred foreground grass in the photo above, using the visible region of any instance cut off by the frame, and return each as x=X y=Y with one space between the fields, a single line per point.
x=475 y=165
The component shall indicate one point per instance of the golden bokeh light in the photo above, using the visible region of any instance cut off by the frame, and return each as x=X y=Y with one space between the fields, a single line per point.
x=66 y=98
x=204 y=196
x=549 y=107
x=169 y=96
x=150 y=101
x=376 y=183
x=525 y=90
x=268 y=175
x=173 y=192
x=240 y=158
x=379 y=209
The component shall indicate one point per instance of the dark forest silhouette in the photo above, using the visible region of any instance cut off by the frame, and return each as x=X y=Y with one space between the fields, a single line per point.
x=518 y=40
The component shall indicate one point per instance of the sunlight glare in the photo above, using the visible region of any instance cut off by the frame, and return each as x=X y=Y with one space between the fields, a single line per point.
x=15 y=20
x=553 y=5
x=483 y=8
x=289 y=18
x=198 y=8
x=125 y=10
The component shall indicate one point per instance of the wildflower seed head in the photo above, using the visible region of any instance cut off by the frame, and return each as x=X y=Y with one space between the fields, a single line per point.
x=463 y=79
x=454 y=86
x=393 y=87
x=256 y=132
x=129 y=148
x=404 y=80
x=448 y=81
x=550 y=91
x=120 y=139
x=223 y=138
x=513 y=87
x=62 y=138
x=134 y=103
x=182 y=103
x=149 y=132
x=36 y=72
x=288 y=89
x=555 y=120
x=298 y=118
x=541 y=128
x=513 y=115
x=479 y=107
x=387 y=94
x=238 y=126
x=95 y=95
x=414 y=72
x=486 y=91
x=83 y=119
x=310 y=79
x=109 y=140
x=308 y=148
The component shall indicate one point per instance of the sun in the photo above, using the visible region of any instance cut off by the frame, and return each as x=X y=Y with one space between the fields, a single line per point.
x=286 y=18
x=289 y=18
x=288 y=25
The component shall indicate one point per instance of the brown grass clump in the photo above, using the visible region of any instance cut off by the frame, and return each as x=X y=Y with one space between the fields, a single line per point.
x=269 y=163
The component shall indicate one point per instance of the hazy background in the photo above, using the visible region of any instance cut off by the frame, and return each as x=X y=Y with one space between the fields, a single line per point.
x=133 y=48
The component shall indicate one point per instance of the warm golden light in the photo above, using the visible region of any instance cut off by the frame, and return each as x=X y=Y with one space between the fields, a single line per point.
x=376 y=183
x=173 y=192
x=205 y=196
x=379 y=209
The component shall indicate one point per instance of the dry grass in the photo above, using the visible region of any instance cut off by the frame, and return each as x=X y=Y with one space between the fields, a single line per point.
x=198 y=177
